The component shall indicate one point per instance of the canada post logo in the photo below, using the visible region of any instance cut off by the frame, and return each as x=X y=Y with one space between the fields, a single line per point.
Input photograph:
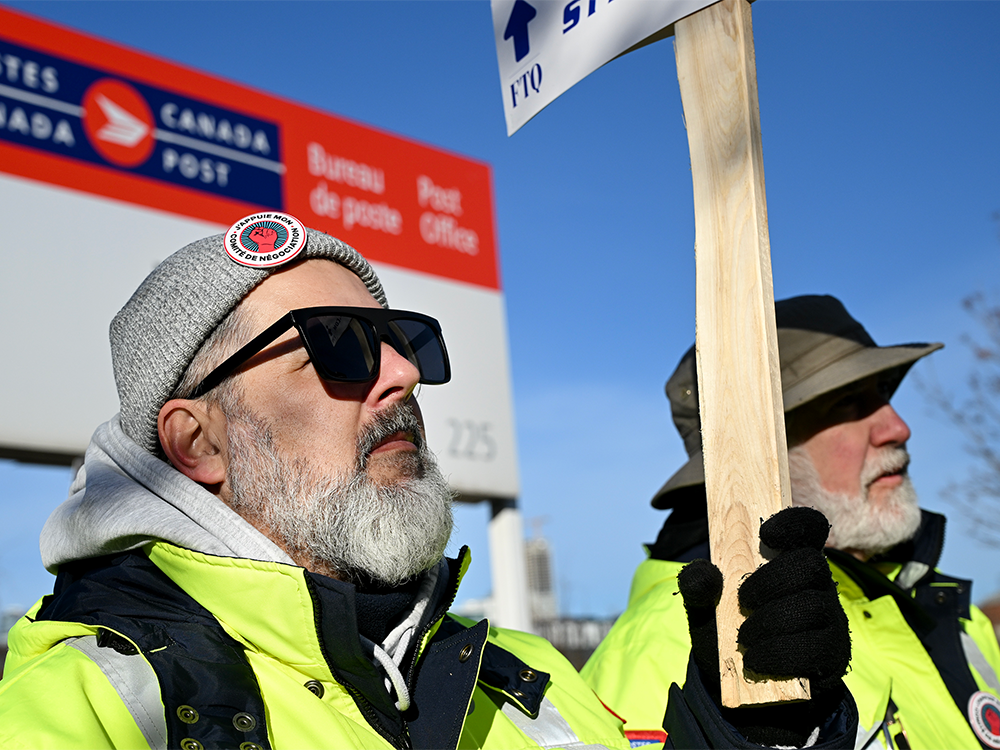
x=81 y=113
x=118 y=123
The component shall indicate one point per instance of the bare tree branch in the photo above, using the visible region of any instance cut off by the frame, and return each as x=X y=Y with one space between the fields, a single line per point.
x=976 y=414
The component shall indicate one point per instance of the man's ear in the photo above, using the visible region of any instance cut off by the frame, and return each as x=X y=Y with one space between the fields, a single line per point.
x=193 y=437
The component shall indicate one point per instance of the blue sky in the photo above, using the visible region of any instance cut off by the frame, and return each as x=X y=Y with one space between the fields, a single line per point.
x=882 y=163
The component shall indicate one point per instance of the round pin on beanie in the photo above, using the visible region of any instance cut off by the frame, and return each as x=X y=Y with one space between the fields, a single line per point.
x=266 y=239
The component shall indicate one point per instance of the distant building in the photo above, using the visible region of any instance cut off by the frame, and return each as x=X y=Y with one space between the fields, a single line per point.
x=541 y=586
x=575 y=637
x=991 y=608
x=7 y=619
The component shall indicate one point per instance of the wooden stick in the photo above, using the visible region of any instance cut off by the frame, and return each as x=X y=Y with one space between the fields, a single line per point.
x=739 y=379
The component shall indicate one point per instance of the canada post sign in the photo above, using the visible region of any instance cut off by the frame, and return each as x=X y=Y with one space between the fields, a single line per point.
x=79 y=112
x=85 y=114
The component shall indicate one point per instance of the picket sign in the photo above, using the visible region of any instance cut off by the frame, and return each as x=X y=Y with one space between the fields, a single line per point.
x=544 y=48
x=739 y=378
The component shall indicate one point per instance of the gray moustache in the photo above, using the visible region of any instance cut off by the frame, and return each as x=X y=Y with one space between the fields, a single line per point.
x=399 y=418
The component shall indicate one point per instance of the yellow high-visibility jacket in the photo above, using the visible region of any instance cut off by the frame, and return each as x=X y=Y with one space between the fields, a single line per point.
x=218 y=651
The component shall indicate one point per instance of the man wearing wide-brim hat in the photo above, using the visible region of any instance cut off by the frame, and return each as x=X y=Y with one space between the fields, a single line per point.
x=925 y=662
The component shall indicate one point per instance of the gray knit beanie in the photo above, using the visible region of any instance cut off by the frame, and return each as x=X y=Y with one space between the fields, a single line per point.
x=156 y=334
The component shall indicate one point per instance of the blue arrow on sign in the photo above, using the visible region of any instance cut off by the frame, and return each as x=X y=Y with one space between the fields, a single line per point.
x=517 y=27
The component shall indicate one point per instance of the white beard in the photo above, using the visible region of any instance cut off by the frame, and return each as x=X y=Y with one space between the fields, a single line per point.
x=347 y=526
x=857 y=523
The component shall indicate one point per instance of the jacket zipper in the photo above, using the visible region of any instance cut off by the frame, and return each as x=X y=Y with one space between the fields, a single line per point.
x=402 y=742
x=438 y=615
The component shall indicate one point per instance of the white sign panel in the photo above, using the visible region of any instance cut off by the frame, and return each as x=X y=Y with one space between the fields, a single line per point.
x=546 y=46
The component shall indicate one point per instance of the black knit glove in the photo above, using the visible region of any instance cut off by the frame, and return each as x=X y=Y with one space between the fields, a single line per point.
x=795 y=627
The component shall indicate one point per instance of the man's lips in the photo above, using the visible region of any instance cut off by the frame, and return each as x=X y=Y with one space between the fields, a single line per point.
x=396 y=441
x=889 y=480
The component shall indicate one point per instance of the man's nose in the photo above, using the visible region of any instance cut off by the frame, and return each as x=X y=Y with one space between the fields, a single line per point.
x=397 y=376
x=888 y=427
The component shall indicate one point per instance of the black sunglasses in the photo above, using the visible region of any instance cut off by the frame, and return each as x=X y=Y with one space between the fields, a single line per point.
x=344 y=344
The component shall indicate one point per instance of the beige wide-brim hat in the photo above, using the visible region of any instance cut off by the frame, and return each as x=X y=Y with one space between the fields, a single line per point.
x=820 y=348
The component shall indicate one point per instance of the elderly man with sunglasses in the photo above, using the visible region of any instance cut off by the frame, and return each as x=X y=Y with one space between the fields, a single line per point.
x=252 y=554
x=925 y=662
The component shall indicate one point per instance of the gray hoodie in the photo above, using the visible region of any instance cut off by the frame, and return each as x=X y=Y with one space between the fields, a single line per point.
x=124 y=497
